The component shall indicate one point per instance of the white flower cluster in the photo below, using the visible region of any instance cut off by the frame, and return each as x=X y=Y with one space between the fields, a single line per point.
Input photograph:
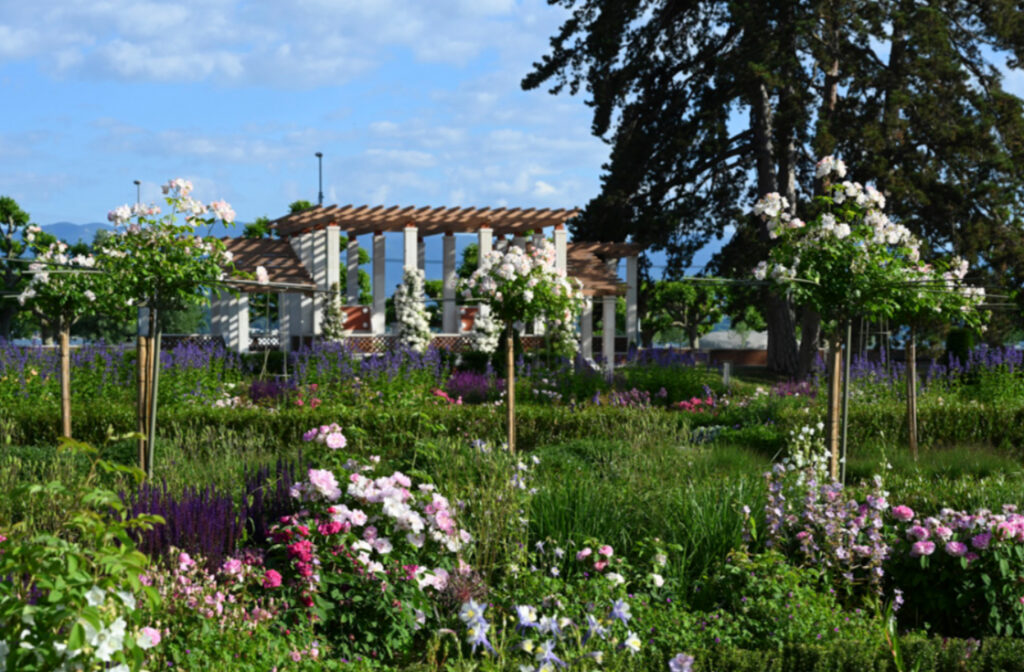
x=524 y=285
x=486 y=332
x=413 y=321
x=63 y=286
x=828 y=165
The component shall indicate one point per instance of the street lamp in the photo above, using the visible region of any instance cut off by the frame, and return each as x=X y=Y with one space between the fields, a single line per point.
x=320 y=161
x=138 y=192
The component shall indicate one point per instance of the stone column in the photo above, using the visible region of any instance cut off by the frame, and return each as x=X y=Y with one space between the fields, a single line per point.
x=538 y=324
x=587 y=328
x=608 y=332
x=421 y=254
x=352 y=279
x=632 y=293
x=229 y=319
x=484 y=240
x=410 y=247
x=449 y=310
x=377 y=316
x=561 y=259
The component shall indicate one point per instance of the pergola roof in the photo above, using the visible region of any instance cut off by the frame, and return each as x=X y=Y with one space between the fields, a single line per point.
x=286 y=272
x=605 y=250
x=596 y=275
x=357 y=220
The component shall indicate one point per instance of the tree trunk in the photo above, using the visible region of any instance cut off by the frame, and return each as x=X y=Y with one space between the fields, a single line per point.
x=833 y=423
x=810 y=330
x=510 y=390
x=782 y=353
x=65 y=378
x=911 y=356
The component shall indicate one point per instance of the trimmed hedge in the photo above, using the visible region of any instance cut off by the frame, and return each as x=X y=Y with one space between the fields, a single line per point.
x=387 y=431
x=919 y=653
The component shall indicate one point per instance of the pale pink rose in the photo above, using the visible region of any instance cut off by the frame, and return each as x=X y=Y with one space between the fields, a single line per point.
x=606 y=551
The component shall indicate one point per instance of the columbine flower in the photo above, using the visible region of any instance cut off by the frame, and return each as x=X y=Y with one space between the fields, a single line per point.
x=620 y=610
x=546 y=654
x=527 y=616
x=631 y=643
x=681 y=663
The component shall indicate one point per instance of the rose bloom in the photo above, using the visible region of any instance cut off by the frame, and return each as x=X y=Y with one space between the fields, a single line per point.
x=606 y=551
x=956 y=549
x=272 y=579
x=902 y=513
x=921 y=548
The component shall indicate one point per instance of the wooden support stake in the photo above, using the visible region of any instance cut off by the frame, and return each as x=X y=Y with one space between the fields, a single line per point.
x=510 y=390
x=65 y=378
x=911 y=352
x=142 y=378
x=834 y=398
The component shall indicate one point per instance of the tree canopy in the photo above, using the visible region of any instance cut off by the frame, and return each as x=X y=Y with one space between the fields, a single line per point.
x=708 y=105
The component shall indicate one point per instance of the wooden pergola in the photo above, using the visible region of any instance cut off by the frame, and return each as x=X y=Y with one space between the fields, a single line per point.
x=314 y=237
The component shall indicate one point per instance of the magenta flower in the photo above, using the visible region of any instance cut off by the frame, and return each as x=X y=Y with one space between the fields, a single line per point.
x=272 y=579
x=956 y=548
x=981 y=541
x=918 y=532
x=922 y=548
x=902 y=513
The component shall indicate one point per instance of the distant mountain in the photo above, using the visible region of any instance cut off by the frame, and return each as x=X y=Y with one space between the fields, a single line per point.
x=74 y=233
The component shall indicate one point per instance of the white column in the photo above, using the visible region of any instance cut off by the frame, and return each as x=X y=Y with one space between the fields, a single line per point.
x=352 y=280
x=421 y=254
x=608 y=332
x=284 y=320
x=235 y=322
x=587 y=328
x=561 y=262
x=632 y=292
x=377 y=317
x=449 y=311
x=301 y=313
x=519 y=241
x=410 y=249
x=484 y=241
x=538 y=324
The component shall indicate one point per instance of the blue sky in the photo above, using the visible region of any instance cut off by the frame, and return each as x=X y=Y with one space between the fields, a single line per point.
x=412 y=103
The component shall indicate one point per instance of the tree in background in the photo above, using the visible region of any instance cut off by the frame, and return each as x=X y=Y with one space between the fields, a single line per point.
x=17 y=238
x=694 y=307
x=711 y=104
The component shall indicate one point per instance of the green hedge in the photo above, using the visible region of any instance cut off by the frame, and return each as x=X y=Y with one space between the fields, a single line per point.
x=383 y=430
x=919 y=653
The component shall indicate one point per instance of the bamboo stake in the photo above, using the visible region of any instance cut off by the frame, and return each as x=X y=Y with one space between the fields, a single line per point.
x=142 y=378
x=833 y=424
x=510 y=389
x=154 y=354
x=912 y=393
x=65 y=378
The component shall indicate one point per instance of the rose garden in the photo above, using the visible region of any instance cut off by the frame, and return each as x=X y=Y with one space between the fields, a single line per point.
x=192 y=508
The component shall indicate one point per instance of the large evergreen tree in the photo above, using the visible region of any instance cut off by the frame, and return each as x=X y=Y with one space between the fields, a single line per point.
x=708 y=104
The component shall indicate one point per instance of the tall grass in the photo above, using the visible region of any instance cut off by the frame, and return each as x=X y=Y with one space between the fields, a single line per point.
x=624 y=492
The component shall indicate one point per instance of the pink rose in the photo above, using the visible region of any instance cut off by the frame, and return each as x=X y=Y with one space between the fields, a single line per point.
x=606 y=551
x=902 y=513
x=272 y=579
x=584 y=553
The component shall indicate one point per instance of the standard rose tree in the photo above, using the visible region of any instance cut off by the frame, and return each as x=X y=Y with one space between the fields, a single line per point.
x=159 y=264
x=522 y=285
x=851 y=261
